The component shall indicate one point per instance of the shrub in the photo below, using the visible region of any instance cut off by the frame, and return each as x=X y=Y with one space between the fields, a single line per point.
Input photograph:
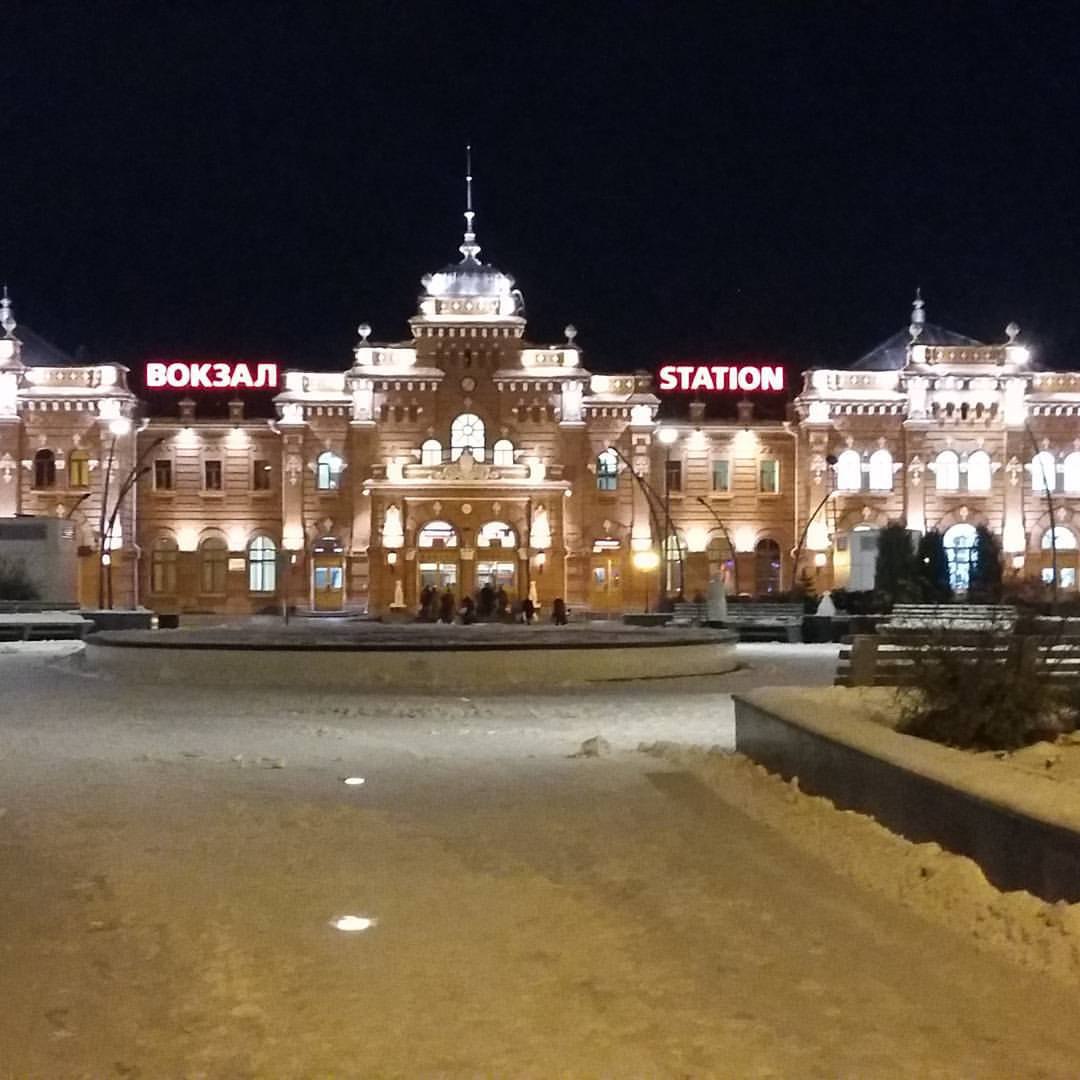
x=896 y=575
x=15 y=583
x=986 y=569
x=932 y=565
x=968 y=695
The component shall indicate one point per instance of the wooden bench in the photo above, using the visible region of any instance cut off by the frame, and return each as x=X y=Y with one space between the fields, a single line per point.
x=44 y=626
x=765 y=621
x=885 y=659
x=962 y=617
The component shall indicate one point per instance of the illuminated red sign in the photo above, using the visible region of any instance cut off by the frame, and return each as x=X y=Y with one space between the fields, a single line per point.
x=211 y=375
x=721 y=378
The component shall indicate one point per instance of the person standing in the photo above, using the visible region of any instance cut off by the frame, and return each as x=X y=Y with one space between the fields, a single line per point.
x=446 y=607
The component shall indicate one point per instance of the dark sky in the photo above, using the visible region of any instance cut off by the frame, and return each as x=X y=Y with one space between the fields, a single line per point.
x=678 y=180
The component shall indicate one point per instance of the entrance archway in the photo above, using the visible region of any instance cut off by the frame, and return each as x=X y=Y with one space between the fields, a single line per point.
x=327 y=574
x=437 y=558
x=959 y=541
x=496 y=556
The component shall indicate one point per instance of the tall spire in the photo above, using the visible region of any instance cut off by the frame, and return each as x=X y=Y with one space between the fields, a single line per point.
x=470 y=248
x=7 y=319
x=918 y=316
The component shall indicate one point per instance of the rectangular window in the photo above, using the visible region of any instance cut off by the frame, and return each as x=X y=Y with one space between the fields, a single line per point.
x=163 y=475
x=721 y=475
x=769 y=476
x=673 y=475
x=212 y=474
x=260 y=477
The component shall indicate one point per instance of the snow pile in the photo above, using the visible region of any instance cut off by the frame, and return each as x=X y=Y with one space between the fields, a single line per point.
x=947 y=889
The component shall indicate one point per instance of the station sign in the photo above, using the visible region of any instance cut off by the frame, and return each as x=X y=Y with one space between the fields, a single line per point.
x=723 y=378
x=211 y=375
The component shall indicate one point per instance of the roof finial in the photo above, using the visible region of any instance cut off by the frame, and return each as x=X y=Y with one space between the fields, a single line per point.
x=470 y=249
x=7 y=319
x=918 y=316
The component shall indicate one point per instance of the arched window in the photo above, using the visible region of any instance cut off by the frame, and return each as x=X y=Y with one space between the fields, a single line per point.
x=213 y=561
x=163 y=566
x=496 y=534
x=328 y=466
x=431 y=452
x=502 y=453
x=467 y=433
x=1072 y=473
x=262 y=565
x=849 y=471
x=437 y=534
x=947 y=471
x=881 y=470
x=1060 y=538
x=78 y=469
x=978 y=471
x=959 y=544
x=1043 y=472
x=607 y=470
x=767 y=567
x=44 y=469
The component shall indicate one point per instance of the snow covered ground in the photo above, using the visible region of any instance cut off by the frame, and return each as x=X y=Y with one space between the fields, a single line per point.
x=172 y=864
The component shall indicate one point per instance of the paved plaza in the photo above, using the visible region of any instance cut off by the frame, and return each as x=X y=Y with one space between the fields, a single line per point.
x=172 y=865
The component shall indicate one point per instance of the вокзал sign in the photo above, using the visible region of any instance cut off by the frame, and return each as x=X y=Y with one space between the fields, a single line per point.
x=722 y=378
x=211 y=375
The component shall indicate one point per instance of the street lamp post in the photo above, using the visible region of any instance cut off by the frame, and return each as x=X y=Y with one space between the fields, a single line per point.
x=797 y=553
x=652 y=500
x=668 y=437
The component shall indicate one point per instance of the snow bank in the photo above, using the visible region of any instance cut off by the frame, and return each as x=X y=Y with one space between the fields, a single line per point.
x=944 y=888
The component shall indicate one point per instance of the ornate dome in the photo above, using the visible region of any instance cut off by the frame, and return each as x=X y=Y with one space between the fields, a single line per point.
x=470 y=288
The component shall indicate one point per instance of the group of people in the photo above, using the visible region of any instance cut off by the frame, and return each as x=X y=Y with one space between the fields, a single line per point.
x=490 y=604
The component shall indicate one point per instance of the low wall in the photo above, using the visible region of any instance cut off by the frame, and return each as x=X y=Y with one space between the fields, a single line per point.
x=1015 y=850
x=342 y=666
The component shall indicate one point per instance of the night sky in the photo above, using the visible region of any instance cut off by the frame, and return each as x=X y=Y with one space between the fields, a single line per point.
x=765 y=180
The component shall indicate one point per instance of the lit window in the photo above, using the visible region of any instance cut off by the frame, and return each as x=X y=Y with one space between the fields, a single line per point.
x=721 y=475
x=978 y=471
x=496 y=534
x=163 y=475
x=213 y=562
x=163 y=566
x=848 y=471
x=769 y=475
x=673 y=475
x=437 y=534
x=212 y=474
x=44 y=469
x=262 y=565
x=431 y=452
x=947 y=471
x=881 y=470
x=502 y=453
x=1059 y=538
x=1043 y=472
x=261 y=475
x=328 y=468
x=467 y=433
x=607 y=471
x=1072 y=473
x=78 y=469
